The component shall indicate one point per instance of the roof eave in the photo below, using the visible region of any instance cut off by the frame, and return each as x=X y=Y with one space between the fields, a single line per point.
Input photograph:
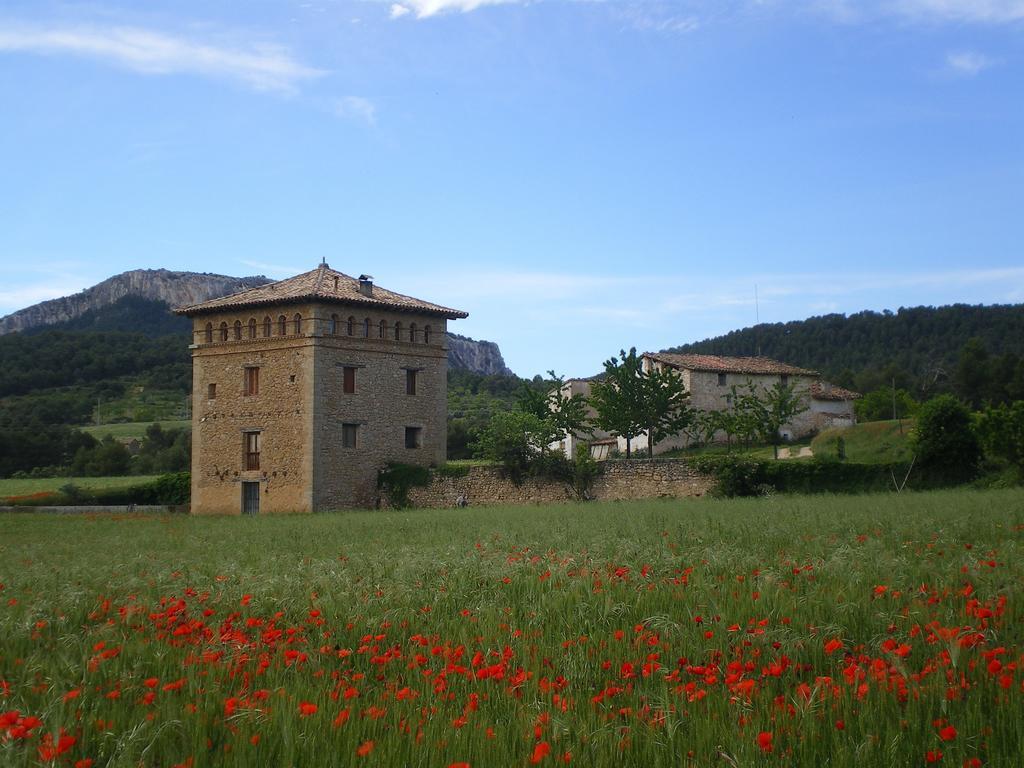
x=203 y=309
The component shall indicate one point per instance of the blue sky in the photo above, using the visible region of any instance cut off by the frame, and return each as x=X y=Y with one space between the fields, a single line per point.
x=578 y=175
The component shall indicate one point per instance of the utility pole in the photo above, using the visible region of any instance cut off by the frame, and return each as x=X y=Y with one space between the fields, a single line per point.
x=894 y=416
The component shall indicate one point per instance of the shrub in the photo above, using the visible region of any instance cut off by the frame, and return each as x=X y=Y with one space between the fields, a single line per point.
x=397 y=479
x=516 y=440
x=945 y=442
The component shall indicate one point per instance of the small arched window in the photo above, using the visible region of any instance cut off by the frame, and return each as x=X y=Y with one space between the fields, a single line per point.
x=383 y=329
x=238 y=330
x=366 y=328
x=398 y=331
x=266 y=326
x=334 y=325
x=350 y=327
x=297 y=322
x=412 y=332
x=209 y=333
x=426 y=334
x=223 y=331
x=282 y=326
x=252 y=327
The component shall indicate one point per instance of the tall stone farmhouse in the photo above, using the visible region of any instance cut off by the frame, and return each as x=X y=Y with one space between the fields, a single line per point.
x=304 y=389
x=709 y=378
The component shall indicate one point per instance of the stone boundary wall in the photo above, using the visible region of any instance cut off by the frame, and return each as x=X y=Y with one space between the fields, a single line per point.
x=120 y=509
x=620 y=479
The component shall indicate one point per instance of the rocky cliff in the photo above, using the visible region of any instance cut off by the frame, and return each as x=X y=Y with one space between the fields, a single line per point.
x=130 y=302
x=173 y=288
x=477 y=356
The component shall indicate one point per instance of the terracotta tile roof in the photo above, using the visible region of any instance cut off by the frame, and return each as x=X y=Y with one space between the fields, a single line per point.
x=716 y=364
x=320 y=284
x=824 y=391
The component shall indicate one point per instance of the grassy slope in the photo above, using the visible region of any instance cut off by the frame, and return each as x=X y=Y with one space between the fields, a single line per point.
x=12 y=487
x=874 y=442
x=573 y=591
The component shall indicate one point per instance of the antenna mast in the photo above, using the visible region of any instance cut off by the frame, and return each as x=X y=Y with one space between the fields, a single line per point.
x=757 y=322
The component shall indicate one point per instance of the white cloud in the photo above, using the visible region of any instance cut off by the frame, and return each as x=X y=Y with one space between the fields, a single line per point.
x=357 y=108
x=261 y=66
x=989 y=11
x=426 y=8
x=274 y=270
x=967 y=62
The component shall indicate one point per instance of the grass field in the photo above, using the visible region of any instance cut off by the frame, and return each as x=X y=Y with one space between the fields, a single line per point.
x=128 y=430
x=874 y=442
x=842 y=631
x=14 y=487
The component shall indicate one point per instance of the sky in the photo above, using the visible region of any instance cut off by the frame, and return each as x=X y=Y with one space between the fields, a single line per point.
x=581 y=176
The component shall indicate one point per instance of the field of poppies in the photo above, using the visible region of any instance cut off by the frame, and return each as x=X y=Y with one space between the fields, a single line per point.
x=841 y=631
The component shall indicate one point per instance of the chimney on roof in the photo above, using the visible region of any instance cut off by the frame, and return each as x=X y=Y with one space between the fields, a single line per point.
x=335 y=283
x=366 y=285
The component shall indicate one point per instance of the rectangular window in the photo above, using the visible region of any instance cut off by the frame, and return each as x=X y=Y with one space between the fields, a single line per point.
x=252 y=450
x=413 y=437
x=784 y=379
x=349 y=379
x=211 y=391
x=410 y=382
x=348 y=435
x=721 y=379
x=252 y=380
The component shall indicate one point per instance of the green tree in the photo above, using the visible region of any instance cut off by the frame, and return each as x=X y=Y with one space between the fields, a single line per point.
x=664 y=407
x=772 y=408
x=515 y=440
x=1001 y=432
x=878 y=405
x=618 y=398
x=565 y=413
x=945 y=441
x=973 y=373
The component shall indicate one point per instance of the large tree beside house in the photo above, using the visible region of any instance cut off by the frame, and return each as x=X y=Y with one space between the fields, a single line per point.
x=631 y=400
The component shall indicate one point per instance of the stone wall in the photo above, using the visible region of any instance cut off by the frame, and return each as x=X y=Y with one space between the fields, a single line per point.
x=633 y=479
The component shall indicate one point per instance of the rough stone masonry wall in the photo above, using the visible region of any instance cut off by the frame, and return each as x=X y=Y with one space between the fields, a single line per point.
x=632 y=479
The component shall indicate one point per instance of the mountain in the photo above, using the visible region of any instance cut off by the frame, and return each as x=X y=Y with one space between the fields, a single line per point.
x=920 y=347
x=139 y=302
x=173 y=288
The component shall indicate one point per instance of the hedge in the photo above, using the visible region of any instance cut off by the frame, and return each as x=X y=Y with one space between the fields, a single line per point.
x=172 y=489
x=743 y=476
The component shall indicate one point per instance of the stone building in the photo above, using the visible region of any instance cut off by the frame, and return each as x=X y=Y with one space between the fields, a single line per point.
x=709 y=378
x=304 y=389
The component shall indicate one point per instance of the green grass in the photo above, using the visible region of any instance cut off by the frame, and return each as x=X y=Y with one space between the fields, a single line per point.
x=15 y=487
x=853 y=630
x=128 y=430
x=764 y=452
x=874 y=442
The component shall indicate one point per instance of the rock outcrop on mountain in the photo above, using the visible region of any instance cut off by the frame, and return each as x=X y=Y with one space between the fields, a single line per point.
x=174 y=288
x=477 y=356
x=140 y=301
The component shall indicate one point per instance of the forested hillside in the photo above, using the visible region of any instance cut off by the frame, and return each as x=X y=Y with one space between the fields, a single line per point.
x=920 y=347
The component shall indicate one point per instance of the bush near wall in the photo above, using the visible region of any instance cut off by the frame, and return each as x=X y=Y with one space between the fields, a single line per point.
x=742 y=476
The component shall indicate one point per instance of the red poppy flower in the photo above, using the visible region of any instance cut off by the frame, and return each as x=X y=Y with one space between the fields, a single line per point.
x=932 y=756
x=365 y=748
x=948 y=733
x=307 y=708
x=540 y=751
x=764 y=741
